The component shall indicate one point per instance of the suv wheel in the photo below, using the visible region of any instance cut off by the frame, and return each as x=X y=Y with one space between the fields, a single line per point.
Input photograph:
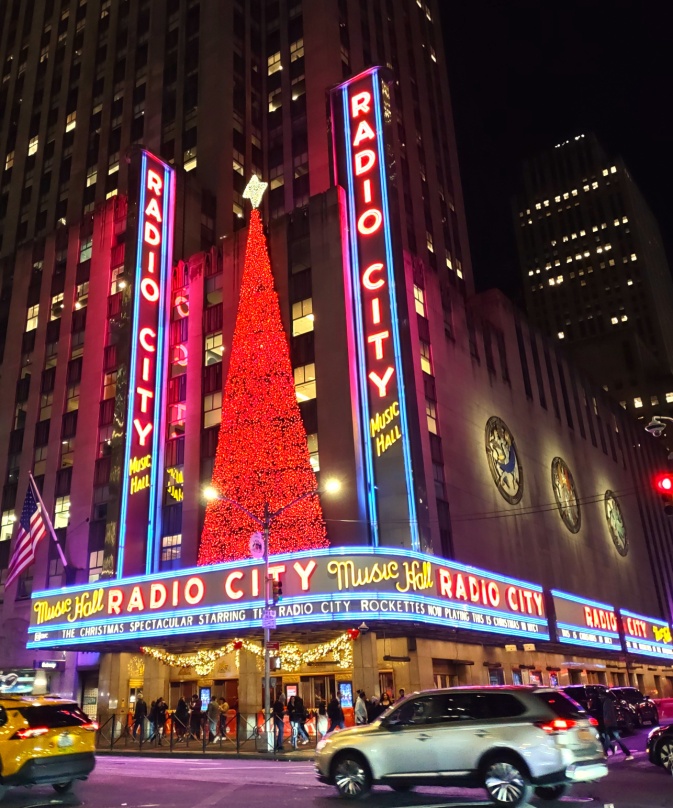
x=62 y=788
x=351 y=776
x=506 y=783
x=665 y=754
x=552 y=792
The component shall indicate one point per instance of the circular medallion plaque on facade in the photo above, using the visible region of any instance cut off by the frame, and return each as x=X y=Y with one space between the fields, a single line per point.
x=616 y=526
x=503 y=460
x=565 y=494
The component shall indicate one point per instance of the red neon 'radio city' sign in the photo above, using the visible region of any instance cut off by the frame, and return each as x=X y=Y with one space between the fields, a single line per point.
x=144 y=433
x=360 y=108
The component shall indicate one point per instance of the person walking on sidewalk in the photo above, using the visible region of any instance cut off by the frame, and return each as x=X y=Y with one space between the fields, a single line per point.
x=611 y=729
x=279 y=721
x=139 y=715
x=361 y=708
x=160 y=712
x=335 y=715
x=213 y=713
x=181 y=719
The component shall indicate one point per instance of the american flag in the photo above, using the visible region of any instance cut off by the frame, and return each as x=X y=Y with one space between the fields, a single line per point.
x=31 y=529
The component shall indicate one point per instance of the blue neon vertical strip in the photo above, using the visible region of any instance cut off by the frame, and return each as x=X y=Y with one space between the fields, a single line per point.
x=406 y=447
x=158 y=442
x=132 y=373
x=370 y=481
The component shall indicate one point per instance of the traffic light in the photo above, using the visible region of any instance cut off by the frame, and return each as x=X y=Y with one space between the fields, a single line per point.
x=277 y=591
x=663 y=483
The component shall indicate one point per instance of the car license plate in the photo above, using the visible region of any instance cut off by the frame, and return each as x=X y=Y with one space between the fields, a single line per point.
x=586 y=735
x=65 y=741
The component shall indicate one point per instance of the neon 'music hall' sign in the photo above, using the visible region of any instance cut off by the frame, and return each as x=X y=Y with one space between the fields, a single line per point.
x=140 y=509
x=359 y=108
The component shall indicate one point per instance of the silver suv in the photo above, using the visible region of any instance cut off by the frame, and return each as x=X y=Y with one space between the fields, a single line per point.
x=509 y=740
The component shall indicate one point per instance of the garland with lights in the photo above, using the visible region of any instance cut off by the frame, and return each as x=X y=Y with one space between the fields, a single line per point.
x=291 y=657
x=262 y=455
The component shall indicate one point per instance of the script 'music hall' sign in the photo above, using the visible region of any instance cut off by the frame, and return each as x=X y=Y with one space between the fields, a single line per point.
x=360 y=121
x=320 y=586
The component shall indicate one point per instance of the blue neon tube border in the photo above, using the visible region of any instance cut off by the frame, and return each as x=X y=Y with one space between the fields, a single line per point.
x=406 y=448
x=132 y=375
x=159 y=438
x=362 y=364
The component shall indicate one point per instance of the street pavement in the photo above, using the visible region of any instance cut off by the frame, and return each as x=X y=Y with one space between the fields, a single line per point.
x=175 y=782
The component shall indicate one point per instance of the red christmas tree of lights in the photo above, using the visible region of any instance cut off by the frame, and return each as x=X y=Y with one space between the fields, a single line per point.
x=262 y=456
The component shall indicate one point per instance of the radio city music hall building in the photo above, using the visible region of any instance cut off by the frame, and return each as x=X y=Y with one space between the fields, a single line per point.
x=495 y=521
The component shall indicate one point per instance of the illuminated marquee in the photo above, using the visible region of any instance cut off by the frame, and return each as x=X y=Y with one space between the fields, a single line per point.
x=349 y=585
x=586 y=622
x=646 y=635
x=360 y=113
x=143 y=458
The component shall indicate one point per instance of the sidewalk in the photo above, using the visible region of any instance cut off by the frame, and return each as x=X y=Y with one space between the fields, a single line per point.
x=211 y=752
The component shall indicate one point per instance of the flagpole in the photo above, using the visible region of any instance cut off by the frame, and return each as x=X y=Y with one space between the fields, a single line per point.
x=47 y=520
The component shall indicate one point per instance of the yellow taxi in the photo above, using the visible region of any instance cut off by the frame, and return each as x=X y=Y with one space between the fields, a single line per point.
x=44 y=741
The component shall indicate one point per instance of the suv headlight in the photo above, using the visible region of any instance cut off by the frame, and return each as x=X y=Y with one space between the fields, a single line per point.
x=322 y=743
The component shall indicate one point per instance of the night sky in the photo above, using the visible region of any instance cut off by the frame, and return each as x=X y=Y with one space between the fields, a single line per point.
x=527 y=75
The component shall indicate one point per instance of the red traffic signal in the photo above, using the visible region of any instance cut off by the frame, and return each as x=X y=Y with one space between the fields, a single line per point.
x=663 y=482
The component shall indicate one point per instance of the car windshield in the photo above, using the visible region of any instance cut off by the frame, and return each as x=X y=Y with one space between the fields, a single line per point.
x=561 y=703
x=54 y=715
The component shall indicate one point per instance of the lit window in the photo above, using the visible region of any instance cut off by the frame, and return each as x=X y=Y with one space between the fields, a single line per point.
x=449 y=262
x=72 y=398
x=426 y=360
x=312 y=441
x=212 y=409
x=654 y=401
x=274 y=63
x=302 y=317
x=419 y=300
x=82 y=295
x=459 y=270
x=56 y=306
x=117 y=282
x=113 y=163
x=629 y=282
x=214 y=349
x=7 y=525
x=62 y=512
x=40 y=461
x=304 y=382
x=32 y=145
x=71 y=122
x=622 y=404
x=109 y=385
x=67 y=452
x=431 y=415
x=561 y=335
x=624 y=318
x=634 y=257
x=190 y=162
x=669 y=398
x=171 y=547
x=275 y=100
x=238 y=210
x=605 y=172
x=428 y=241
x=95 y=565
x=46 y=402
x=625 y=219
x=614 y=320
x=238 y=168
x=616 y=223
x=176 y=419
x=85 y=249
x=112 y=193
x=91 y=176
x=9 y=160
x=296 y=50
x=637 y=403
x=31 y=317
x=613 y=169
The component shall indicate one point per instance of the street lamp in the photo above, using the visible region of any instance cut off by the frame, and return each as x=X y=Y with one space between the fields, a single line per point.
x=211 y=494
x=657 y=426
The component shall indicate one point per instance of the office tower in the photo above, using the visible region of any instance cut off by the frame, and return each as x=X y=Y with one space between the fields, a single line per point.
x=595 y=272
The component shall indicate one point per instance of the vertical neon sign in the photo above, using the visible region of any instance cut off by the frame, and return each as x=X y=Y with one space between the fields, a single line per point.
x=140 y=515
x=359 y=108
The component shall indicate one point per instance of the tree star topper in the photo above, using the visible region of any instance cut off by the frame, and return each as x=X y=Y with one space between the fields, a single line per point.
x=254 y=190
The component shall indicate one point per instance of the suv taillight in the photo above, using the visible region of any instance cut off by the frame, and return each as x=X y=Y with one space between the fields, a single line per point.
x=557 y=725
x=30 y=732
x=91 y=726
x=593 y=721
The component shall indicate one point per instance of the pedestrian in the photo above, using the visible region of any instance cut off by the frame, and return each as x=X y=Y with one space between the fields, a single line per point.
x=195 y=717
x=213 y=713
x=224 y=710
x=612 y=736
x=335 y=715
x=321 y=721
x=401 y=696
x=373 y=709
x=139 y=715
x=279 y=721
x=361 y=708
x=302 y=715
x=181 y=717
x=385 y=701
x=160 y=718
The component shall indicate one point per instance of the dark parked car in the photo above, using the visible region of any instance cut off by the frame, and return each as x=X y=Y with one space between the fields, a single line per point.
x=590 y=697
x=660 y=746
x=644 y=708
